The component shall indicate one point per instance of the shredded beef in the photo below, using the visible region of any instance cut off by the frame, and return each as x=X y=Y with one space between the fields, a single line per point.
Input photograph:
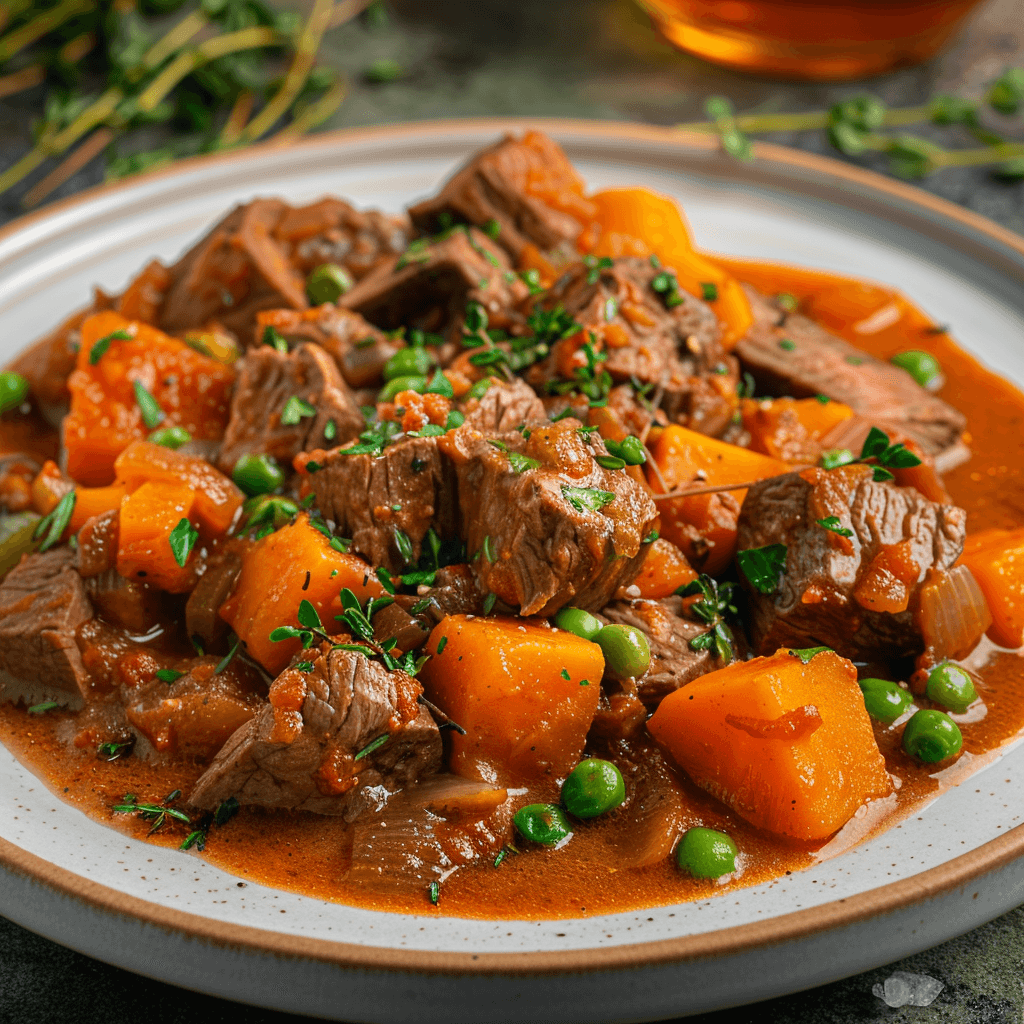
x=42 y=602
x=855 y=594
x=300 y=750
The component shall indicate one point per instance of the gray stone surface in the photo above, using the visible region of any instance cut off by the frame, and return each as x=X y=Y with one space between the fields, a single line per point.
x=599 y=59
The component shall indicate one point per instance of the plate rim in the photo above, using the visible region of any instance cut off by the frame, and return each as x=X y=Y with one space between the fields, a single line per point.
x=802 y=924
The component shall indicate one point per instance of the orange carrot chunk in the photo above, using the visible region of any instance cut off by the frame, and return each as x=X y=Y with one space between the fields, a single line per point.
x=664 y=571
x=116 y=354
x=280 y=571
x=996 y=560
x=704 y=526
x=525 y=693
x=217 y=497
x=787 y=745
x=144 y=549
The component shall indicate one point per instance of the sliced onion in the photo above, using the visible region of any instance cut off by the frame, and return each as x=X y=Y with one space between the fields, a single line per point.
x=952 y=612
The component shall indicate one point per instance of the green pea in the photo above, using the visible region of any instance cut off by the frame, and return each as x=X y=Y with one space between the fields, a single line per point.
x=592 y=788
x=409 y=362
x=13 y=391
x=932 y=736
x=543 y=823
x=885 y=701
x=327 y=283
x=398 y=384
x=576 y=620
x=706 y=853
x=170 y=437
x=922 y=366
x=257 y=474
x=629 y=449
x=949 y=685
x=626 y=650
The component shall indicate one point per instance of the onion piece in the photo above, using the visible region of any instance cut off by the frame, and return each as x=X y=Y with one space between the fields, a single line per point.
x=952 y=612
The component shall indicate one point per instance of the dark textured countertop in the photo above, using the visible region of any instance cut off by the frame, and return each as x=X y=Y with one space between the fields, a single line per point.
x=593 y=59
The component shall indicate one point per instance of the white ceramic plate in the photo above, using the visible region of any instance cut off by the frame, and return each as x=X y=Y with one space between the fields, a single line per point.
x=169 y=915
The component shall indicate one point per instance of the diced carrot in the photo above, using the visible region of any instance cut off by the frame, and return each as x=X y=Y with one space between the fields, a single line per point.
x=192 y=391
x=217 y=498
x=525 y=693
x=51 y=485
x=996 y=561
x=787 y=428
x=664 y=571
x=144 y=553
x=787 y=745
x=704 y=526
x=630 y=215
x=281 y=570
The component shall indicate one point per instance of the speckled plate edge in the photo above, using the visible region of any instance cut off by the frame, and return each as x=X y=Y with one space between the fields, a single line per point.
x=947 y=884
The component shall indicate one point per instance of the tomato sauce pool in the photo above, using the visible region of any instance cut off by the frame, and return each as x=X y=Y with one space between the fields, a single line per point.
x=311 y=854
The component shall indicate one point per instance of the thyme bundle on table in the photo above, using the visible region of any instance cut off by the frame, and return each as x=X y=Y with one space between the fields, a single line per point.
x=855 y=126
x=215 y=74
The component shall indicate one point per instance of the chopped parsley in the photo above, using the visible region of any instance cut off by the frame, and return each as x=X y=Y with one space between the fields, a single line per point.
x=833 y=524
x=763 y=566
x=99 y=349
x=716 y=601
x=666 y=286
x=271 y=336
x=787 y=344
x=806 y=653
x=295 y=409
x=41 y=709
x=152 y=414
x=182 y=540
x=587 y=499
x=709 y=291
x=595 y=266
x=441 y=644
x=168 y=675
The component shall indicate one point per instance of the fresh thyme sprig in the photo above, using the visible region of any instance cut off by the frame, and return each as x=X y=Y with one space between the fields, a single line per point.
x=854 y=127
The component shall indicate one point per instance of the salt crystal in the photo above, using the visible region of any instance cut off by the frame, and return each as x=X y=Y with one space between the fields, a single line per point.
x=902 y=988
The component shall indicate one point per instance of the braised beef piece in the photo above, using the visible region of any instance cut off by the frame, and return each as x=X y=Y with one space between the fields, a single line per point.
x=429 y=286
x=819 y=363
x=358 y=348
x=97 y=544
x=509 y=185
x=410 y=488
x=674 y=351
x=42 y=602
x=195 y=715
x=855 y=594
x=546 y=524
x=202 y=618
x=300 y=751
x=269 y=410
x=503 y=407
x=332 y=231
x=454 y=592
x=674 y=663
x=134 y=606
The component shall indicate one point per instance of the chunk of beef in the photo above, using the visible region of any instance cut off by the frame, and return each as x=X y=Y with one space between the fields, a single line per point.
x=42 y=602
x=136 y=607
x=674 y=663
x=196 y=714
x=300 y=751
x=554 y=529
x=332 y=231
x=97 y=544
x=819 y=363
x=515 y=184
x=409 y=488
x=429 y=286
x=358 y=348
x=504 y=407
x=855 y=594
x=267 y=383
x=675 y=351
x=202 y=618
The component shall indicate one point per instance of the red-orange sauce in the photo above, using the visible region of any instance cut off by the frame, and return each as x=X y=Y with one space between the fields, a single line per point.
x=309 y=853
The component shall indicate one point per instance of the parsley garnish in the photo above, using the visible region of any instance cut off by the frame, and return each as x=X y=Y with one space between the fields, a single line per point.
x=371 y=747
x=440 y=385
x=152 y=414
x=595 y=266
x=168 y=675
x=271 y=336
x=155 y=813
x=182 y=540
x=763 y=566
x=330 y=430
x=97 y=351
x=435 y=892
x=112 y=751
x=709 y=291
x=587 y=499
x=667 y=287
x=41 y=709
x=833 y=524
x=836 y=457
x=716 y=602
x=295 y=409
x=441 y=644
x=787 y=344
x=492 y=228
x=404 y=545
x=806 y=653
x=308 y=616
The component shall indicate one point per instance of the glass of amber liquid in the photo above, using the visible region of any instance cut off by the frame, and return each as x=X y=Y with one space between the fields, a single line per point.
x=813 y=40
